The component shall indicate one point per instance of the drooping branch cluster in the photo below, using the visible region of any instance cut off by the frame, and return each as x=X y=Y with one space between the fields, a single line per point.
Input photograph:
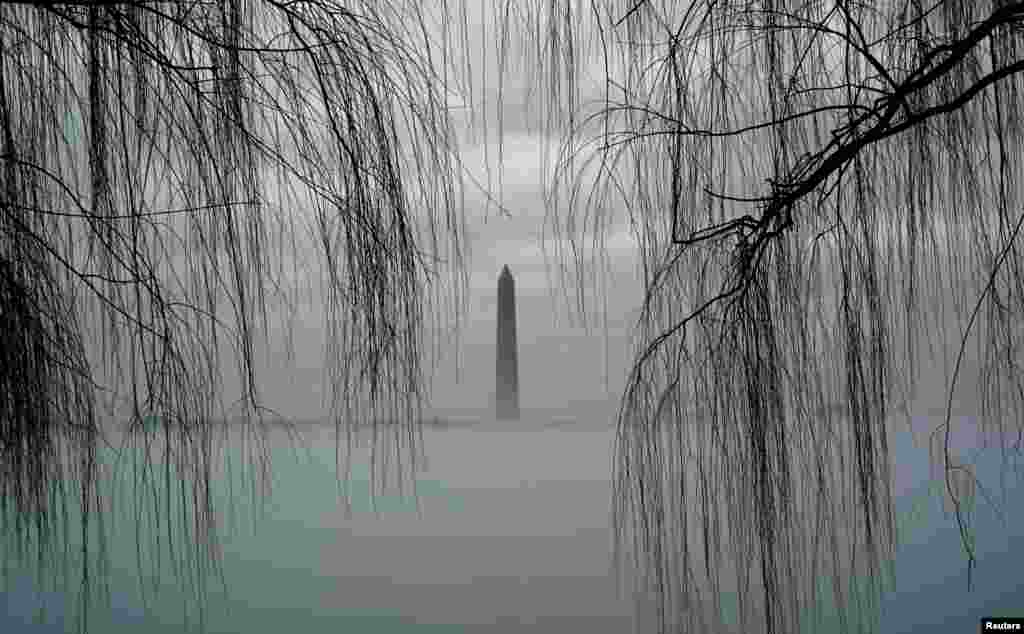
x=822 y=192
x=156 y=160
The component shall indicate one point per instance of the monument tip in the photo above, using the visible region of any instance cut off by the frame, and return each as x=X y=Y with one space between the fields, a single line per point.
x=505 y=271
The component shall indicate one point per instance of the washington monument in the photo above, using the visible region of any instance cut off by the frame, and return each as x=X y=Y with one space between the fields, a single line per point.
x=506 y=393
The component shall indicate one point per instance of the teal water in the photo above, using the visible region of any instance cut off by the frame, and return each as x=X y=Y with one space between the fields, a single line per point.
x=508 y=532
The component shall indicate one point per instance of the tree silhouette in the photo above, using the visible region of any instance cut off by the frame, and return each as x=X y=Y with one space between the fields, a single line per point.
x=820 y=191
x=815 y=187
x=154 y=157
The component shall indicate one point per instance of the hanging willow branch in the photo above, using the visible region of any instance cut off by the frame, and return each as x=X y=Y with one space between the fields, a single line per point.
x=818 y=188
x=155 y=160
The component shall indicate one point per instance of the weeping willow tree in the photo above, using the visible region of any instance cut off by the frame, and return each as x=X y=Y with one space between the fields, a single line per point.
x=156 y=159
x=824 y=194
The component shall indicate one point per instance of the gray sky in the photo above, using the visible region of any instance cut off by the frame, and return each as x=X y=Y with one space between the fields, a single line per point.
x=588 y=362
x=552 y=340
x=563 y=366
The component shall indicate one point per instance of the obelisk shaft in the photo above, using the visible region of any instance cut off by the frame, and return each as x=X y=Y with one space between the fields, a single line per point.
x=506 y=402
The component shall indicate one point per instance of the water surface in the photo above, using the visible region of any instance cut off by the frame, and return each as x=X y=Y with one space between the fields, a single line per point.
x=511 y=533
